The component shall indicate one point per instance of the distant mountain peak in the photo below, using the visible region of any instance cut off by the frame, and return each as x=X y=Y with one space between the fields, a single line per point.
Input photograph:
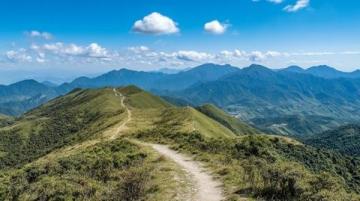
x=26 y=82
x=212 y=66
x=256 y=67
x=322 y=67
x=294 y=68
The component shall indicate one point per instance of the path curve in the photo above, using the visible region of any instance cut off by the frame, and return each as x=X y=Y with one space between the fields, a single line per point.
x=123 y=125
x=207 y=189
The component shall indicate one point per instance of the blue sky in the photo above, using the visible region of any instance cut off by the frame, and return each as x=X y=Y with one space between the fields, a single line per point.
x=59 y=40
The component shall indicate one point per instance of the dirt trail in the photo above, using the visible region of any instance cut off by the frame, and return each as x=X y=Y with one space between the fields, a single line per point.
x=207 y=189
x=122 y=127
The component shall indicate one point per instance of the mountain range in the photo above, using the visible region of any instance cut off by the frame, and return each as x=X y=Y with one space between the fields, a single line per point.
x=323 y=71
x=270 y=99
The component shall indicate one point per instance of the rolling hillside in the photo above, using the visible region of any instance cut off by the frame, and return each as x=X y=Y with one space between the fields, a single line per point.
x=258 y=92
x=296 y=125
x=344 y=139
x=227 y=120
x=5 y=120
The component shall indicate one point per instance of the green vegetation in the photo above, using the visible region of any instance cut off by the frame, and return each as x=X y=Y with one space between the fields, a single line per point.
x=5 y=120
x=117 y=170
x=64 y=121
x=268 y=167
x=345 y=139
x=228 y=121
x=141 y=99
x=296 y=125
x=71 y=149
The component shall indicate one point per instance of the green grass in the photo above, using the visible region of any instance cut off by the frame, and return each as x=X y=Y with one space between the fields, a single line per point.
x=118 y=170
x=141 y=99
x=265 y=167
x=227 y=120
x=78 y=116
x=5 y=120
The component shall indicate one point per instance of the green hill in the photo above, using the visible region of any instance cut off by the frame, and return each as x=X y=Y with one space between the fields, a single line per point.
x=5 y=120
x=345 y=139
x=76 y=117
x=296 y=125
x=87 y=145
x=227 y=120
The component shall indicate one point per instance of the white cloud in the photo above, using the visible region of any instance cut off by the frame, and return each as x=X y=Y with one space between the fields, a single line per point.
x=192 y=55
x=96 y=51
x=300 y=4
x=276 y=1
x=256 y=56
x=93 y=50
x=274 y=54
x=215 y=27
x=157 y=24
x=18 y=56
x=313 y=53
x=139 y=49
x=251 y=56
x=39 y=34
x=271 y=1
x=350 y=52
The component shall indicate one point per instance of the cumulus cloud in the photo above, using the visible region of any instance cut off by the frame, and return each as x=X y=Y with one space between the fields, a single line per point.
x=215 y=27
x=156 y=24
x=93 y=50
x=251 y=56
x=39 y=34
x=300 y=4
x=192 y=55
x=16 y=56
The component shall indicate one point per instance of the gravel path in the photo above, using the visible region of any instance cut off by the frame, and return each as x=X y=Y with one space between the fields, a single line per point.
x=207 y=189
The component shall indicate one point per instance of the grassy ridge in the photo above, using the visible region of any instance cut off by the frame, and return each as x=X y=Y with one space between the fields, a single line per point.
x=66 y=120
x=228 y=121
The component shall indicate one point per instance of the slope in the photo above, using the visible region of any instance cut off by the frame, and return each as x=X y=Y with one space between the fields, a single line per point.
x=23 y=96
x=69 y=119
x=344 y=139
x=296 y=125
x=227 y=120
x=259 y=92
x=5 y=120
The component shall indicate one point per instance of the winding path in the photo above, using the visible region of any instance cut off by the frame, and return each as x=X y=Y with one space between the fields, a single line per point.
x=207 y=189
x=129 y=115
